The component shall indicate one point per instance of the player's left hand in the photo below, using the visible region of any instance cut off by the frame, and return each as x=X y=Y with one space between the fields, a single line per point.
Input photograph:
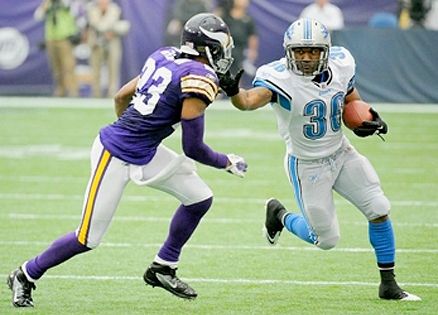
x=370 y=127
x=237 y=165
x=229 y=83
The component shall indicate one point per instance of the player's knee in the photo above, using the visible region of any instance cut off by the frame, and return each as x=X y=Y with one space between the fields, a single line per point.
x=92 y=245
x=380 y=219
x=200 y=208
x=383 y=204
x=327 y=243
x=379 y=209
x=199 y=194
x=207 y=202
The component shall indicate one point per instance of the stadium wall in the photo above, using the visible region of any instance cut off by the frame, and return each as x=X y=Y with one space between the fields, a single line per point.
x=391 y=65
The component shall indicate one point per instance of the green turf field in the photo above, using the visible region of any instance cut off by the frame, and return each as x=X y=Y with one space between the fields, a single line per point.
x=44 y=170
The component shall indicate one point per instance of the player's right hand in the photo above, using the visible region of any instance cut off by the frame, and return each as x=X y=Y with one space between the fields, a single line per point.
x=237 y=165
x=229 y=83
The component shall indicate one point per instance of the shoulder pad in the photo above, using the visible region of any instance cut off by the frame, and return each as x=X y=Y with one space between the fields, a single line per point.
x=275 y=70
x=341 y=60
x=274 y=76
x=341 y=56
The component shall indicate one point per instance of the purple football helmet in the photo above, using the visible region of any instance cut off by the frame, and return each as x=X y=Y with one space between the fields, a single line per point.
x=207 y=35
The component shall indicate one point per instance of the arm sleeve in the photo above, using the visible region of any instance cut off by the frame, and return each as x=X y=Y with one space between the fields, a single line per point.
x=194 y=146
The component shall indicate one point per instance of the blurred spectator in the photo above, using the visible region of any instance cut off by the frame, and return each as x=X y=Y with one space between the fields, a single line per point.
x=79 y=10
x=246 y=41
x=180 y=12
x=404 y=20
x=383 y=20
x=60 y=35
x=418 y=12
x=326 y=13
x=223 y=7
x=431 y=21
x=413 y=13
x=104 y=37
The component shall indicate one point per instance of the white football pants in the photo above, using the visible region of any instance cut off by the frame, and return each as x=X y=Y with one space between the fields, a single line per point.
x=348 y=173
x=167 y=171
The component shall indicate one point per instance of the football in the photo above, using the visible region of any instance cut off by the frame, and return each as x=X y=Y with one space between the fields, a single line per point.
x=355 y=113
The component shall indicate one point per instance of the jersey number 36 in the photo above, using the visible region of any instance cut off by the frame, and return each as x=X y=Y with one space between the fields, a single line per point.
x=317 y=112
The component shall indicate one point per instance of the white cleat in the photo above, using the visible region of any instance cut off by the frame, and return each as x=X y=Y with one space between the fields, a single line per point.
x=409 y=297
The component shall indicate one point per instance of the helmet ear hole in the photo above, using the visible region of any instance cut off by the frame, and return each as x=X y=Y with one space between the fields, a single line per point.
x=215 y=50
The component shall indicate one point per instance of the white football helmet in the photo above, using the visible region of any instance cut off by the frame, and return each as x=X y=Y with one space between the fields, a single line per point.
x=307 y=33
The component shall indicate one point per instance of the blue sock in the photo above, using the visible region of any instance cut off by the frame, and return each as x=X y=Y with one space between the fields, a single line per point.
x=296 y=224
x=382 y=239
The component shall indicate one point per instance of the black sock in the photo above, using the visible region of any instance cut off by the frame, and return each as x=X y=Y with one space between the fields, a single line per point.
x=387 y=275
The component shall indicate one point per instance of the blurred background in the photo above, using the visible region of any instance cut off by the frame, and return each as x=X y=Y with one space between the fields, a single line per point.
x=83 y=50
x=394 y=42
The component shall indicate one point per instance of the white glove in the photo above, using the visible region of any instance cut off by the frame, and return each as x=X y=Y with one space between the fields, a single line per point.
x=237 y=165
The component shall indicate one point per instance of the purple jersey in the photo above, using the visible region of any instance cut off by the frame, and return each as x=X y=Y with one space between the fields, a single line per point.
x=165 y=81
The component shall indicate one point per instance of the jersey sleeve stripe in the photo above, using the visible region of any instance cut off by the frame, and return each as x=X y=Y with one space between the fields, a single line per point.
x=99 y=173
x=200 y=84
x=207 y=94
x=351 y=83
x=272 y=86
x=198 y=80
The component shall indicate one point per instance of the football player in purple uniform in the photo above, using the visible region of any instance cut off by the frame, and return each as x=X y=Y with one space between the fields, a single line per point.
x=174 y=87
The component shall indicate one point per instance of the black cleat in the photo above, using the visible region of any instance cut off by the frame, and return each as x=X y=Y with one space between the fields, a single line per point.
x=391 y=291
x=21 y=288
x=165 y=277
x=273 y=226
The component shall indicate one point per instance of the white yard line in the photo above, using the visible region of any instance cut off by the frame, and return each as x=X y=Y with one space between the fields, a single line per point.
x=238 y=281
x=107 y=104
x=46 y=216
x=251 y=182
x=233 y=247
x=131 y=198
x=67 y=153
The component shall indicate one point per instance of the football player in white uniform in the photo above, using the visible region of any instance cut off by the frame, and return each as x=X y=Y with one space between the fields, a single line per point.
x=307 y=90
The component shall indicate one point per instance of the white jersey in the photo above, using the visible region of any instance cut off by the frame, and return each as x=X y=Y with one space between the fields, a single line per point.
x=309 y=113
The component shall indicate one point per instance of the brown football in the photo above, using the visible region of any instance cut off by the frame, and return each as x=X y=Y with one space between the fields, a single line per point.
x=355 y=113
